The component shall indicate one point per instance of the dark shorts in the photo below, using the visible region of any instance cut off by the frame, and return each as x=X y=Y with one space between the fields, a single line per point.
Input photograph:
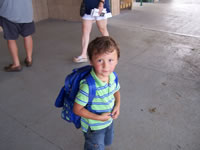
x=12 y=30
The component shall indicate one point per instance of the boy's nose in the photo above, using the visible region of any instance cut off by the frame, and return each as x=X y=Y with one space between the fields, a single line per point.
x=105 y=64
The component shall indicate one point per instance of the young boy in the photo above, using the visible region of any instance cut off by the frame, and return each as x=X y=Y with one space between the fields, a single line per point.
x=97 y=126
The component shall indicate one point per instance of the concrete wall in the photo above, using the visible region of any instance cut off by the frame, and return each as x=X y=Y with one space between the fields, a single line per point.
x=40 y=8
x=64 y=9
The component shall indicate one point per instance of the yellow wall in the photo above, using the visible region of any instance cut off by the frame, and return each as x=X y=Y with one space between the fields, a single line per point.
x=125 y=4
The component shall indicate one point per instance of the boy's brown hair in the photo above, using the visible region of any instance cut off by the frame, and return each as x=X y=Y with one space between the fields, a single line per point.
x=100 y=45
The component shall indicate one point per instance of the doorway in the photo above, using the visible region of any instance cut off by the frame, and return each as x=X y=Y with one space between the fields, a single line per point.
x=125 y=4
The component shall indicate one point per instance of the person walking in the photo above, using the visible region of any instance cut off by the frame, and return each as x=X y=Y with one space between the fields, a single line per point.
x=88 y=18
x=16 y=18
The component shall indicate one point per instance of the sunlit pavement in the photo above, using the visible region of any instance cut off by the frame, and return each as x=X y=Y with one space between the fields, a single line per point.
x=159 y=72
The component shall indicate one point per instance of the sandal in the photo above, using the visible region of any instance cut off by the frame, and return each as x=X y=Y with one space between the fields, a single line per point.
x=80 y=59
x=28 y=63
x=10 y=68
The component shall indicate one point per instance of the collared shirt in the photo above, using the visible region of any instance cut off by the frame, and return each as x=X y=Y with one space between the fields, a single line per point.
x=17 y=11
x=103 y=101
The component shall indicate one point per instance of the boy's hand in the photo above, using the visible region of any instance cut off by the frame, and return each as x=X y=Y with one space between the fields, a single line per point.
x=105 y=116
x=115 y=112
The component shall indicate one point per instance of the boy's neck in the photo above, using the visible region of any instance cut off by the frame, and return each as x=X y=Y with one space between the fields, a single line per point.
x=105 y=80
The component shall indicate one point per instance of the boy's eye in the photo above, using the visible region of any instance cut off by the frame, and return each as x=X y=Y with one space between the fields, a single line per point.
x=110 y=60
x=99 y=60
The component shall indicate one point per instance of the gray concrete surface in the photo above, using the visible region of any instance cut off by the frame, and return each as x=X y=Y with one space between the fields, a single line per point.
x=159 y=72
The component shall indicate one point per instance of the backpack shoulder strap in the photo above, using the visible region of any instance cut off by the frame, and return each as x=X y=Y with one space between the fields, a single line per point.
x=116 y=78
x=72 y=81
x=92 y=87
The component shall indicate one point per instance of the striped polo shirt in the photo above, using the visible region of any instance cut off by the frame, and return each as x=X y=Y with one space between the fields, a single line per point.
x=103 y=101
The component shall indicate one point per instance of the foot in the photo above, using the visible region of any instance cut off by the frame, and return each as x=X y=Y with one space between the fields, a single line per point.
x=28 y=63
x=12 y=68
x=80 y=59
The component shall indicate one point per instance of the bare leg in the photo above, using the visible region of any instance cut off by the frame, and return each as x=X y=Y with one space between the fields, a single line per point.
x=86 y=30
x=12 y=46
x=102 y=26
x=28 y=45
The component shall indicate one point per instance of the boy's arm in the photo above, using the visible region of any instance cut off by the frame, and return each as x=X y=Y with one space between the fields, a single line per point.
x=81 y=111
x=116 y=110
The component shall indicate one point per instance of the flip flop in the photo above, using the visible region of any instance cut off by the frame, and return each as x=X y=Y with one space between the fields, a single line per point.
x=10 y=68
x=79 y=59
x=28 y=63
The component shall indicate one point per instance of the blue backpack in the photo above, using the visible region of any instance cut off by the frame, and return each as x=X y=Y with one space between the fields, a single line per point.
x=69 y=91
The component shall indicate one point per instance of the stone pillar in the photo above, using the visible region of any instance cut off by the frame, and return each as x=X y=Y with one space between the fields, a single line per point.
x=133 y=3
x=115 y=7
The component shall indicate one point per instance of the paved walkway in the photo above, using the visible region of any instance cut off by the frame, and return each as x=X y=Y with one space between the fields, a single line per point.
x=159 y=72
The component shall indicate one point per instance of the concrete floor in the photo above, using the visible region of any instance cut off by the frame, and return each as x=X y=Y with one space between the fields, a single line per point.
x=159 y=72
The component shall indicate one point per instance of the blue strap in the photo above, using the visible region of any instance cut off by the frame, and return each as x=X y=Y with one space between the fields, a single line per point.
x=92 y=87
x=92 y=90
x=74 y=79
x=116 y=78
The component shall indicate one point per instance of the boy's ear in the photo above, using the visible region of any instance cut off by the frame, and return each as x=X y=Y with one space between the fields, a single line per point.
x=91 y=63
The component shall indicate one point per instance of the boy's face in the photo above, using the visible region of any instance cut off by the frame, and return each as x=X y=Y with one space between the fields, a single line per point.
x=104 y=64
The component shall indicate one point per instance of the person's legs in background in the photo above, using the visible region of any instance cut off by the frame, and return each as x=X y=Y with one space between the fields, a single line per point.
x=102 y=26
x=27 y=30
x=15 y=66
x=11 y=35
x=28 y=45
x=86 y=30
x=12 y=31
x=12 y=46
